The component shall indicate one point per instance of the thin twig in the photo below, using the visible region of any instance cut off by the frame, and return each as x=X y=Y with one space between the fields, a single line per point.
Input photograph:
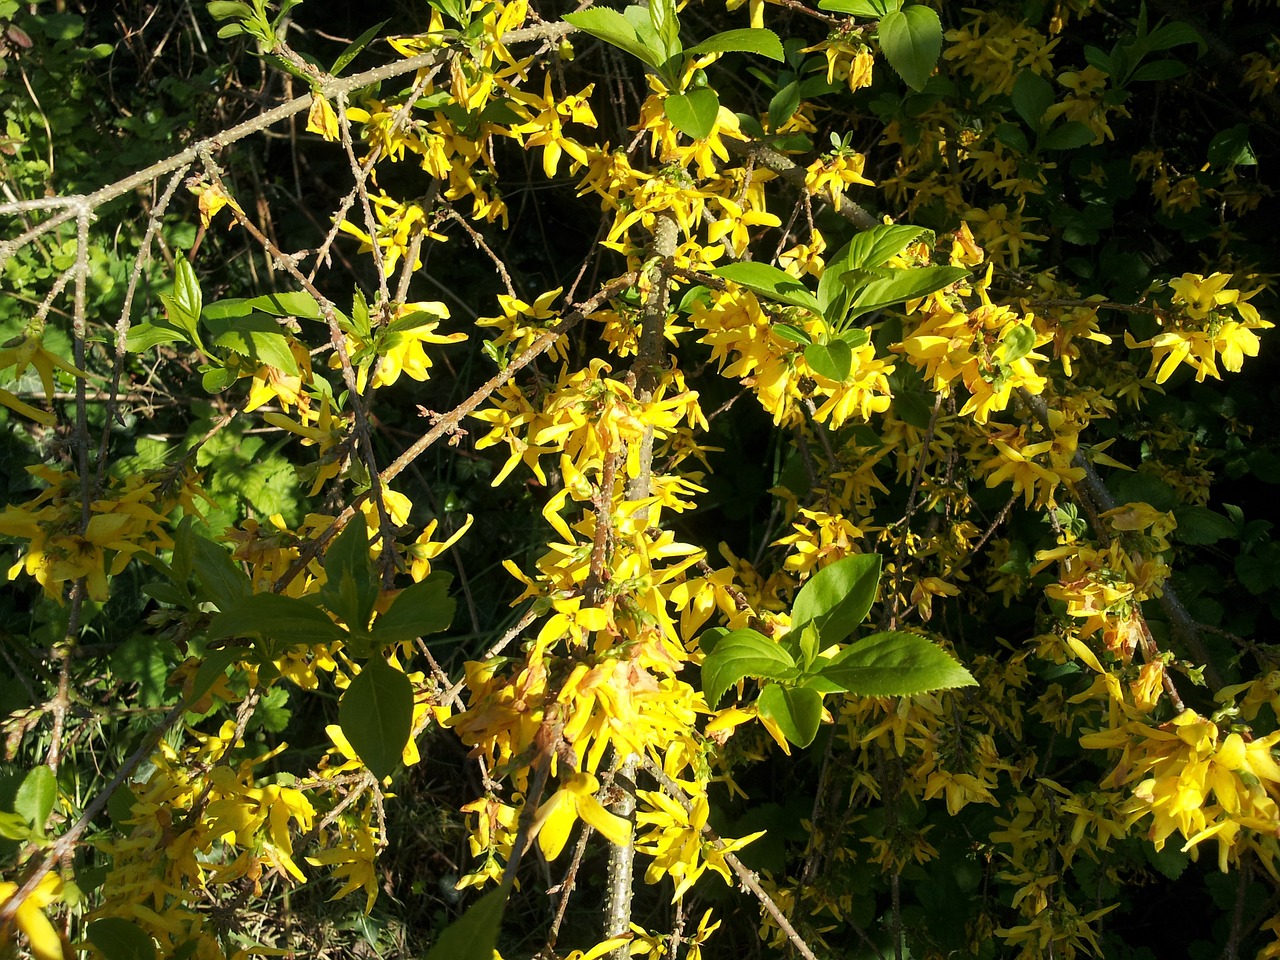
x=745 y=876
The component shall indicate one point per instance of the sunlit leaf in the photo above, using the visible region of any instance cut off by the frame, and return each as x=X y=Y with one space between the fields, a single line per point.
x=739 y=654
x=895 y=664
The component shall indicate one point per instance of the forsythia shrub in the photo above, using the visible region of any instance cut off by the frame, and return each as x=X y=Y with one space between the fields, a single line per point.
x=827 y=389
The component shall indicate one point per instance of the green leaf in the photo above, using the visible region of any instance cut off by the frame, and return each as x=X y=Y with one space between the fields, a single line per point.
x=183 y=305
x=902 y=286
x=1170 y=861
x=224 y=583
x=838 y=597
x=1098 y=59
x=36 y=796
x=15 y=827
x=1017 y=343
x=807 y=643
x=912 y=40
x=832 y=359
x=743 y=653
x=376 y=715
x=1067 y=136
x=354 y=48
x=1173 y=35
x=474 y=935
x=642 y=22
x=867 y=9
x=1032 y=96
x=612 y=27
x=121 y=939
x=913 y=407
x=144 y=336
x=875 y=247
x=770 y=282
x=857 y=337
x=694 y=112
x=351 y=585
x=796 y=710
x=280 y=621
x=226 y=9
x=257 y=337
x=214 y=666
x=895 y=664
x=747 y=40
x=1159 y=70
x=216 y=379
x=298 y=304
x=1232 y=147
x=422 y=608
x=1200 y=525
x=784 y=104
x=787 y=332
x=1013 y=137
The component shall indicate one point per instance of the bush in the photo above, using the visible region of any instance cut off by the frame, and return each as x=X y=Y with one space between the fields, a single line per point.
x=789 y=442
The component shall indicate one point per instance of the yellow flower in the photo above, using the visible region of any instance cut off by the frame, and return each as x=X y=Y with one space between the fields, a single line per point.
x=321 y=118
x=576 y=800
x=834 y=173
x=677 y=844
x=43 y=938
x=30 y=352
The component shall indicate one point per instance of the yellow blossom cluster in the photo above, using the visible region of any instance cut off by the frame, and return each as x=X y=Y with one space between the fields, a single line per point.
x=67 y=539
x=1193 y=779
x=1202 y=329
x=986 y=348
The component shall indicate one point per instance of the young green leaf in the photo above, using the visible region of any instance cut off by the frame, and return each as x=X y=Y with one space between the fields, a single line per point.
x=832 y=359
x=875 y=247
x=351 y=585
x=902 y=286
x=770 y=282
x=796 y=710
x=895 y=664
x=354 y=48
x=612 y=27
x=376 y=716
x=422 y=608
x=257 y=337
x=1232 y=147
x=784 y=105
x=747 y=40
x=36 y=796
x=912 y=40
x=867 y=9
x=838 y=597
x=298 y=304
x=183 y=305
x=855 y=338
x=787 y=332
x=694 y=112
x=143 y=336
x=743 y=653
x=215 y=379
x=1017 y=343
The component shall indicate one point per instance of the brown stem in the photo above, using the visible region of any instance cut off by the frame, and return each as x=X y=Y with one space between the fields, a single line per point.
x=449 y=421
